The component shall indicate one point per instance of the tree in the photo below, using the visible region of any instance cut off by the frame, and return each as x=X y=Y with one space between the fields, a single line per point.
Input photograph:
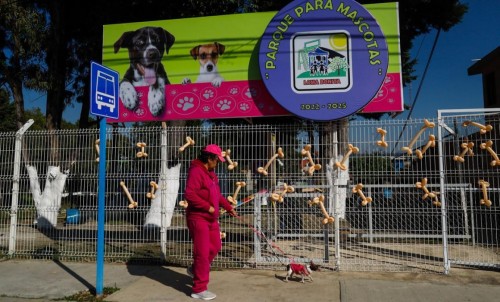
x=7 y=112
x=22 y=33
x=338 y=64
x=74 y=37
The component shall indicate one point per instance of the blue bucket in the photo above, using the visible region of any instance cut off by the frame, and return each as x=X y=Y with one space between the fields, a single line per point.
x=387 y=193
x=72 y=216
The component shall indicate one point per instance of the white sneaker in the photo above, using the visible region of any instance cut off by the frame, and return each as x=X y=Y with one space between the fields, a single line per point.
x=205 y=295
x=189 y=271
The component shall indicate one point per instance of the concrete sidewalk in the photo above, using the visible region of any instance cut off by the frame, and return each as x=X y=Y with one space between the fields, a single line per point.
x=49 y=280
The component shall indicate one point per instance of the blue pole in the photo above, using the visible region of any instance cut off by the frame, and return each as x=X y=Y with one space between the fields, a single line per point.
x=101 y=190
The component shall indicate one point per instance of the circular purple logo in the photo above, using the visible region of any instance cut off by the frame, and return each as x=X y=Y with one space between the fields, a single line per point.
x=323 y=60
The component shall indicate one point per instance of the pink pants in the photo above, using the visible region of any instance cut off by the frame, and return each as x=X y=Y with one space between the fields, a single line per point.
x=206 y=245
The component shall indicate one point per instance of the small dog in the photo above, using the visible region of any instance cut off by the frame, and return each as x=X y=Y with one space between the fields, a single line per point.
x=146 y=47
x=208 y=55
x=301 y=269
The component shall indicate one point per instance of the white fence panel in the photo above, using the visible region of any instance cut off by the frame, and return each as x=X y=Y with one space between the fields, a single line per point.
x=379 y=201
x=471 y=143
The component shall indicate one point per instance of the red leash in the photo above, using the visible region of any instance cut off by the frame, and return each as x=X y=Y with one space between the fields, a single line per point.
x=261 y=235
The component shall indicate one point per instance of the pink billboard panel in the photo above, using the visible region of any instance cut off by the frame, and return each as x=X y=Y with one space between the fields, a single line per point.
x=237 y=99
x=389 y=97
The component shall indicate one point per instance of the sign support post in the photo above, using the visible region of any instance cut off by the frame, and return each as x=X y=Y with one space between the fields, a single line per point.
x=104 y=103
x=101 y=190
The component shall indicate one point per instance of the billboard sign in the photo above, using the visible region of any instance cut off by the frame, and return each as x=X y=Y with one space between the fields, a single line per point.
x=208 y=67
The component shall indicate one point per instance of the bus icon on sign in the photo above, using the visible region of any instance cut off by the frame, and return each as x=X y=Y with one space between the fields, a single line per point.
x=105 y=91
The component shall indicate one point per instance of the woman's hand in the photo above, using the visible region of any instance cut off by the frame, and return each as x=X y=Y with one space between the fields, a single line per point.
x=211 y=210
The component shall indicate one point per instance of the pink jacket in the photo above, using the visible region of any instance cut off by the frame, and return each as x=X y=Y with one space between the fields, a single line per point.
x=203 y=191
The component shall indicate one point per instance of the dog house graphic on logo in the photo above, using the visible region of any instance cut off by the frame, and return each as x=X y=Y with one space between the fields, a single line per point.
x=321 y=62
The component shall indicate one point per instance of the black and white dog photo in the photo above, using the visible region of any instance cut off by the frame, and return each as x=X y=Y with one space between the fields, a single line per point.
x=146 y=47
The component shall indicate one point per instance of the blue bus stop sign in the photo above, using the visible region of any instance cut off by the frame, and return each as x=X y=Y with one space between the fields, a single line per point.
x=103 y=91
x=104 y=103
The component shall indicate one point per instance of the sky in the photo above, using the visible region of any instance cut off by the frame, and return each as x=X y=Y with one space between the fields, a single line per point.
x=446 y=84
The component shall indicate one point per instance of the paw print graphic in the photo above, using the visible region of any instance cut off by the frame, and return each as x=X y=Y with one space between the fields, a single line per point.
x=139 y=112
x=233 y=91
x=382 y=93
x=224 y=105
x=244 y=107
x=205 y=108
x=251 y=92
x=208 y=94
x=185 y=103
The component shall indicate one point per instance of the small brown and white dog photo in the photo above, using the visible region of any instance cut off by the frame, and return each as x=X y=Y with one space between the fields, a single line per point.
x=208 y=56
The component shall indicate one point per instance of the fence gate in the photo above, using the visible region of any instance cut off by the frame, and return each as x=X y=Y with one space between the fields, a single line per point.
x=470 y=144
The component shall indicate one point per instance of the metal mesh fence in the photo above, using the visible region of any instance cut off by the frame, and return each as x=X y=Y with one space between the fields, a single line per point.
x=349 y=195
x=471 y=145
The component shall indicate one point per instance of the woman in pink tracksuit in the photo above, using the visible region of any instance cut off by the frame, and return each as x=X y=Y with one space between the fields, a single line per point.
x=204 y=199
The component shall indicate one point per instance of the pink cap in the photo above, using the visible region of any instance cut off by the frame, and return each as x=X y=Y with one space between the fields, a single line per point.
x=214 y=149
